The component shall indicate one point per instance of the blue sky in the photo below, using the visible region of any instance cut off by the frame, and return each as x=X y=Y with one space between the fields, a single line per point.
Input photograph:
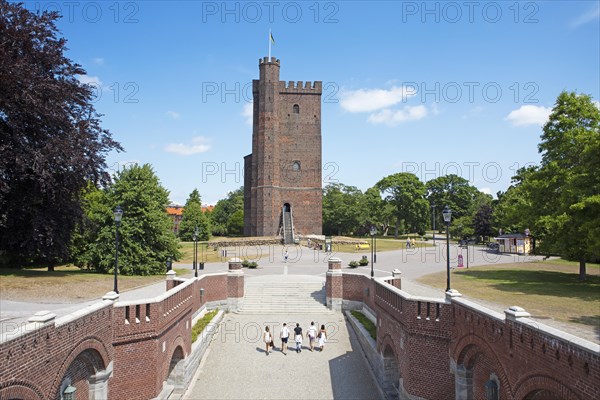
x=409 y=86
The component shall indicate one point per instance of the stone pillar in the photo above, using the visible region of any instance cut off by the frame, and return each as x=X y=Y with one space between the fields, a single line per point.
x=463 y=383
x=235 y=285
x=171 y=279
x=334 y=284
x=99 y=383
x=513 y=313
x=397 y=278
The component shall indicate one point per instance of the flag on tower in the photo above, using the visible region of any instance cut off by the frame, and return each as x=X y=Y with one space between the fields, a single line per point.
x=271 y=37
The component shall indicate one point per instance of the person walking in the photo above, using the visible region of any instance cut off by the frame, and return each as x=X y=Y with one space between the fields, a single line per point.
x=284 y=335
x=298 y=336
x=413 y=243
x=285 y=256
x=311 y=332
x=268 y=339
x=408 y=243
x=322 y=337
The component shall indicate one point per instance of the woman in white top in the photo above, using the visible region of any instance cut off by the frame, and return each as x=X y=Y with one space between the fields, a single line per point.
x=267 y=338
x=322 y=337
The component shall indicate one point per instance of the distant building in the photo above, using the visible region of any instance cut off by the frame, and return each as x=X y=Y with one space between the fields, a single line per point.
x=175 y=211
x=282 y=176
x=515 y=243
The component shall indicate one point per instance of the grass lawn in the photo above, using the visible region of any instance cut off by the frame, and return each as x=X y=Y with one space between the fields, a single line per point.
x=545 y=289
x=65 y=283
x=382 y=245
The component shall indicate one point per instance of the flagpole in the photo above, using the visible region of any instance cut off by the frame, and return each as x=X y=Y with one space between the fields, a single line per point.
x=269 y=44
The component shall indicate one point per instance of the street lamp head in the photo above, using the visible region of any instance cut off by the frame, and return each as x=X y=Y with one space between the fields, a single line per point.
x=447 y=213
x=373 y=231
x=195 y=233
x=118 y=214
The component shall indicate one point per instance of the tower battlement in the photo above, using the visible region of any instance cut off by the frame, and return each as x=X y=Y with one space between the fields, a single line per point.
x=265 y=60
x=315 y=87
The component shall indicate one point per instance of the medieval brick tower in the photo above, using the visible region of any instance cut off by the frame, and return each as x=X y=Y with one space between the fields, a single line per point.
x=282 y=176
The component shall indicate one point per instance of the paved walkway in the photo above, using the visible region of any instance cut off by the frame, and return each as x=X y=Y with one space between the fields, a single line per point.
x=237 y=367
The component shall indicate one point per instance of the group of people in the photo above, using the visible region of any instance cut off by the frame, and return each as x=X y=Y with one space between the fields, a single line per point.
x=410 y=243
x=314 y=336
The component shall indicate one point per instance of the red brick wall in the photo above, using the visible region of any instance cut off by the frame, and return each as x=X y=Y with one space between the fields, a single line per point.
x=426 y=336
x=35 y=364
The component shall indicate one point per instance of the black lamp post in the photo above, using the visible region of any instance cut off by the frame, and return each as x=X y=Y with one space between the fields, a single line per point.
x=433 y=217
x=196 y=252
x=447 y=213
x=373 y=233
x=118 y=215
x=169 y=263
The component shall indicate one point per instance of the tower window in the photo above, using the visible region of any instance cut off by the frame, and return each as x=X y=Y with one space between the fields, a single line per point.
x=296 y=109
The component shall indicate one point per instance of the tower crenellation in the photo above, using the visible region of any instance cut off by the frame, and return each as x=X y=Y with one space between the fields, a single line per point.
x=284 y=170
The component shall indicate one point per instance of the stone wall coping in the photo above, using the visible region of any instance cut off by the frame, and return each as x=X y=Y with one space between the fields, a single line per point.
x=544 y=329
x=168 y=293
x=406 y=295
x=478 y=308
x=65 y=319
x=576 y=341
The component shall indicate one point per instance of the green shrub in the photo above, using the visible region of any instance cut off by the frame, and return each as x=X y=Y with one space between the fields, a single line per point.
x=353 y=264
x=363 y=261
x=202 y=323
x=366 y=322
x=249 y=264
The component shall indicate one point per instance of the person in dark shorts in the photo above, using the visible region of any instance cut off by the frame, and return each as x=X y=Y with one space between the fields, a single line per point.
x=298 y=336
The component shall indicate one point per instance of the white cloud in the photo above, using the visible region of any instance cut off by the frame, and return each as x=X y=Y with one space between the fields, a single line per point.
x=486 y=190
x=173 y=114
x=247 y=112
x=391 y=117
x=597 y=103
x=89 y=80
x=367 y=100
x=588 y=16
x=99 y=61
x=529 y=115
x=199 y=145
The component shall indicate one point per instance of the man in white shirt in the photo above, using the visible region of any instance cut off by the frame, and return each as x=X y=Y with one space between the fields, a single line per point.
x=312 y=335
x=284 y=335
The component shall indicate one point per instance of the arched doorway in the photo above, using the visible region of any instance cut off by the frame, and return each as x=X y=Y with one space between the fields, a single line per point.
x=287 y=224
x=86 y=375
x=391 y=373
x=175 y=376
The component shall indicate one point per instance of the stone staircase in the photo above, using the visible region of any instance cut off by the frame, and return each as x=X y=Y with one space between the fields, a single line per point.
x=288 y=231
x=281 y=297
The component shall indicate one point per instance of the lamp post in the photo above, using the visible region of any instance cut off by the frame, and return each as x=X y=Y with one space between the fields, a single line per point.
x=169 y=263
x=373 y=233
x=196 y=252
x=118 y=215
x=433 y=218
x=447 y=213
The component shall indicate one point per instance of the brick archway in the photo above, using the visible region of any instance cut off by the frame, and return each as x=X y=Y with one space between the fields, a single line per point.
x=92 y=352
x=471 y=351
x=20 y=391
x=537 y=387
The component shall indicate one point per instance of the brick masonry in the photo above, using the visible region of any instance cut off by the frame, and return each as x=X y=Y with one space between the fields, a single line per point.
x=285 y=164
x=452 y=348
x=135 y=344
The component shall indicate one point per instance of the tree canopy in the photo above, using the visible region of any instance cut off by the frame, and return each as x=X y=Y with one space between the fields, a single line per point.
x=145 y=235
x=51 y=141
x=192 y=218
x=225 y=210
x=407 y=194
x=341 y=209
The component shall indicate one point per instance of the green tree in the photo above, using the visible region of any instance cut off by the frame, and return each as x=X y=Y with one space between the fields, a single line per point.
x=377 y=211
x=235 y=223
x=192 y=218
x=565 y=190
x=225 y=209
x=452 y=191
x=341 y=209
x=407 y=195
x=145 y=235
x=483 y=220
x=51 y=141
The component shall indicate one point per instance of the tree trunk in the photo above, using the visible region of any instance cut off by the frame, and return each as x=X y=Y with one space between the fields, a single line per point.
x=50 y=268
x=582 y=274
